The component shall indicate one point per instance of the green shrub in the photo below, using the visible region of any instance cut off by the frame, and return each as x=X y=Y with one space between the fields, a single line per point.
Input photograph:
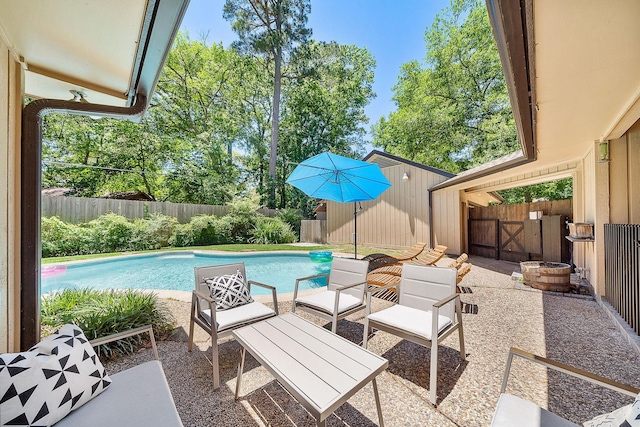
x=102 y=313
x=293 y=217
x=153 y=232
x=61 y=239
x=112 y=233
x=272 y=230
x=242 y=220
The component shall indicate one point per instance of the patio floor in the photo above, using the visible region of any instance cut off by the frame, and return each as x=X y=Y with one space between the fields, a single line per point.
x=497 y=315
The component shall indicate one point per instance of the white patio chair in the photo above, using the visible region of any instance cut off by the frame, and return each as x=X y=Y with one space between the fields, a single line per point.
x=204 y=313
x=428 y=311
x=346 y=286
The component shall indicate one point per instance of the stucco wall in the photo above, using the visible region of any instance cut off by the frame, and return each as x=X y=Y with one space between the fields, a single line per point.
x=399 y=217
x=11 y=83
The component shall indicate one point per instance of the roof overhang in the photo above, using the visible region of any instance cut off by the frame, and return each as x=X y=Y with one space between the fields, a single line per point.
x=582 y=81
x=110 y=52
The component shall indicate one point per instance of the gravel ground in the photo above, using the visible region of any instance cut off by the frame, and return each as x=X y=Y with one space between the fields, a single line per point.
x=498 y=314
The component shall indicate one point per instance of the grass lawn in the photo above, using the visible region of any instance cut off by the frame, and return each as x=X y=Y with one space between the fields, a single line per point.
x=248 y=247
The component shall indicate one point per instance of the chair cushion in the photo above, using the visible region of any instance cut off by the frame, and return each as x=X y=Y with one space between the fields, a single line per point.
x=417 y=322
x=325 y=301
x=138 y=396
x=247 y=313
x=514 y=411
x=56 y=376
x=229 y=291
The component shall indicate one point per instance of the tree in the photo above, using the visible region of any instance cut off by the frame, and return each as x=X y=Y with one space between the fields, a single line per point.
x=453 y=112
x=555 y=190
x=270 y=28
x=323 y=107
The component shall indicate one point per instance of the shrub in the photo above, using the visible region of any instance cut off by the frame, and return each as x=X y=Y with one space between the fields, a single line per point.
x=60 y=238
x=202 y=230
x=293 y=217
x=153 y=232
x=101 y=313
x=112 y=233
x=241 y=221
x=272 y=230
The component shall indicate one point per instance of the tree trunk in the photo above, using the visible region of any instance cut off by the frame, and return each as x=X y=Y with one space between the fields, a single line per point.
x=275 y=118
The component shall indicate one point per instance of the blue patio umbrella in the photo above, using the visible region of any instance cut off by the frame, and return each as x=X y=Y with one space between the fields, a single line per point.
x=340 y=179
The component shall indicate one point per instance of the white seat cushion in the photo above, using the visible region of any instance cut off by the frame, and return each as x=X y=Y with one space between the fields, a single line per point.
x=239 y=315
x=417 y=322
x=326 y=300
x=514 y=411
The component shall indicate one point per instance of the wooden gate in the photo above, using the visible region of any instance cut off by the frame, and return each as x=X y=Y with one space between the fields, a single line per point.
x=512 y=241
x=498 y=231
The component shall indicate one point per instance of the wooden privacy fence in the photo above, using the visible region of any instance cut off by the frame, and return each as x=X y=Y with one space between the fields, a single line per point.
x=499 y=231
x=78 y=210
x=622 y=271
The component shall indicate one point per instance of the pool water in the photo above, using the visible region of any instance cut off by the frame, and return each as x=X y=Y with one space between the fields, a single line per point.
x=174 y=271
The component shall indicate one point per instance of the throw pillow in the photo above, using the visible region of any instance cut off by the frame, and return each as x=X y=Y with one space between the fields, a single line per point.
x=229 y=290
x=627 y=416
x=41 y=386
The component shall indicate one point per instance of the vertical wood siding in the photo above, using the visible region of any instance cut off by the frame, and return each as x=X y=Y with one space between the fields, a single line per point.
x=11 y=77
x=398 y=218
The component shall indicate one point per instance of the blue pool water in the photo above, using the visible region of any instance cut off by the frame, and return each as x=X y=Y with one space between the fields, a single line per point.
x=174 y=271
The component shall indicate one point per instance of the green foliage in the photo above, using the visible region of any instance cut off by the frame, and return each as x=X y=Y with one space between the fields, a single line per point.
x=61 y=238
x=453 y=112
x=293 y=217
x=555 y=190
x=153 y=232
x=112 y=233
x=272 y=230
x=102 y=313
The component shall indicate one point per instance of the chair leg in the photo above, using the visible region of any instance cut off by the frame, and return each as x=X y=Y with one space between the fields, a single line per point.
x=433 y=376
x=365 y=337
x=334 y=324
x=190 y=346
x=214 y=361
x=463 y=355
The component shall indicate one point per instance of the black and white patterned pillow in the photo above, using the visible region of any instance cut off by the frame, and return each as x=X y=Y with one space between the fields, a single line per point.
x=627 y=416
x=41 y=386
x=229 y=290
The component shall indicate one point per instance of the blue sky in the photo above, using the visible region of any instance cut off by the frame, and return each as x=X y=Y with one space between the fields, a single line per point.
x=393 y=31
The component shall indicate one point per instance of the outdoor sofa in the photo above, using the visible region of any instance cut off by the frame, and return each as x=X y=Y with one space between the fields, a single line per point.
x=138 y=396
x=514 y=411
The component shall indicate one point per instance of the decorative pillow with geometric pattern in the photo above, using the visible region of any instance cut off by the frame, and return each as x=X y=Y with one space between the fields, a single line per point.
x=627 y=416
x=229 y=290
x=41 y=386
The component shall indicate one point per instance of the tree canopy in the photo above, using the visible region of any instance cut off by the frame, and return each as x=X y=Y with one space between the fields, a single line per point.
x=453 y=111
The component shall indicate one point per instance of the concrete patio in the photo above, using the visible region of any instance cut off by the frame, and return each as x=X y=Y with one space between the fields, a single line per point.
x=498 y=314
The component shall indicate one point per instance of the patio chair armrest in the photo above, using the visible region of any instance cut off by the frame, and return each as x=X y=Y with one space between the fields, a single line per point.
x=353 y=285
x=315 y=276
x=120 y=335
x=274 y=294
x=446 y=300
x=374 y=289
x=262 y=285
x=569 y=370
x=302 y=279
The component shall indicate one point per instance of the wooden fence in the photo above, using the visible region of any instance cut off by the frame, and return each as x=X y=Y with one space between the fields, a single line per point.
x=78 y=210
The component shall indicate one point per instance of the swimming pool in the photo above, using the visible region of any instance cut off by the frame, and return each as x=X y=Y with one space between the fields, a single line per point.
x=174 y=271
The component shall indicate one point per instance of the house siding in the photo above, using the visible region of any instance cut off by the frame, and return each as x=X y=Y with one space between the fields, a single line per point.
x=11 y=89
x=398 y=218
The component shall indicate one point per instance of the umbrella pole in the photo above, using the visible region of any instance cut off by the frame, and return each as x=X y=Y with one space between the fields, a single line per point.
x=355 y=231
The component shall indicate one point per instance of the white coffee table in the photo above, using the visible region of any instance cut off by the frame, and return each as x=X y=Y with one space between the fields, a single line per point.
x=320 y=369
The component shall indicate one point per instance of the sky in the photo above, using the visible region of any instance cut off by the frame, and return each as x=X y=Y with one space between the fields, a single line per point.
x=392 y=30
